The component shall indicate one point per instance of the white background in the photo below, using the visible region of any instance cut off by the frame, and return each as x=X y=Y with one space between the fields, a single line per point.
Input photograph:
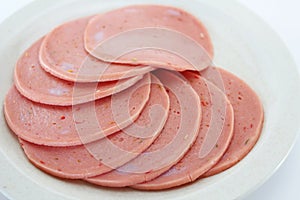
x=283 y=16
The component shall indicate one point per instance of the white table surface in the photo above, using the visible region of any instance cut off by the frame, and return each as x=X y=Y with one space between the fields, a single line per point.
x=284 y=17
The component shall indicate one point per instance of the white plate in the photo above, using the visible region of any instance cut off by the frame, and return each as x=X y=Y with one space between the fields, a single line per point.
x=244 y=45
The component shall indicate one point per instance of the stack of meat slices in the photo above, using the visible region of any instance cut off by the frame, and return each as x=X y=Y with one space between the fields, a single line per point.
x=147 y=119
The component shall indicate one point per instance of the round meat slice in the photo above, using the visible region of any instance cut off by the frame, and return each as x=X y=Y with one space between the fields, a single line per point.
x=62 y=54
x=67 y=126
x=215 y=109
x=150 y=35
x=89 y=160
x=39 y=86
x=178 y=135
x=248 y=117
x=138 y=136
x=66 y=162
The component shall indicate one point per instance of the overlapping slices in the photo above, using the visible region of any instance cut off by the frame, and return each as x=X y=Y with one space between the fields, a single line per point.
x=214 y=134
x=103 y=155
x=155 y=35
x=125 y=123
x=62 y=54
x=248 y=115
x=39 y=86
x=178 y=135
x=72 y=125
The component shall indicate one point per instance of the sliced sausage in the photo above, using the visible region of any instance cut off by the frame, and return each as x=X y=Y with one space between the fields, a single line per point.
x=39 y=86
x=178 y=135
x=62 y=54
x=74 y=125
x=65 y=162
x=216 y=127
x=151 y=35
x=248 y=117
x=89 y=160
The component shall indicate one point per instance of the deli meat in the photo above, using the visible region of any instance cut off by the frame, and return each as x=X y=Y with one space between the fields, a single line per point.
x=178 y=135
x=141 y=32
x=39 y=86
x=194 y=164
x=85 y=160
x=65 y=162
x=62 y=54
x=61 y=126
x=129 y=98
x=248 y=117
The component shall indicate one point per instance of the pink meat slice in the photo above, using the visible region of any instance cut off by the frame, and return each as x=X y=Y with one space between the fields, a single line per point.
x=248 y=117
x=193 y=164
x=62 y=54
x=138 y=136
x=39 y=86
x=178 y=135
x=83 y=161
x=115 y=27
x=74 y=125
x=66 y=162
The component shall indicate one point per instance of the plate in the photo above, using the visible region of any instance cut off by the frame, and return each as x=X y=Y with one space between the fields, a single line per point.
x=244 y=45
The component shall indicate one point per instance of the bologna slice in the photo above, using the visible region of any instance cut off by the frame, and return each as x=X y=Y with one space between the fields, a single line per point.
x=193 y=164
x=62 y=126
x=83 y=161
x=39 y=86
x=248 y=117
x=178 y=135
x=66 y=162
x=151 y=35
x=138 y=136
x=62 y=54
